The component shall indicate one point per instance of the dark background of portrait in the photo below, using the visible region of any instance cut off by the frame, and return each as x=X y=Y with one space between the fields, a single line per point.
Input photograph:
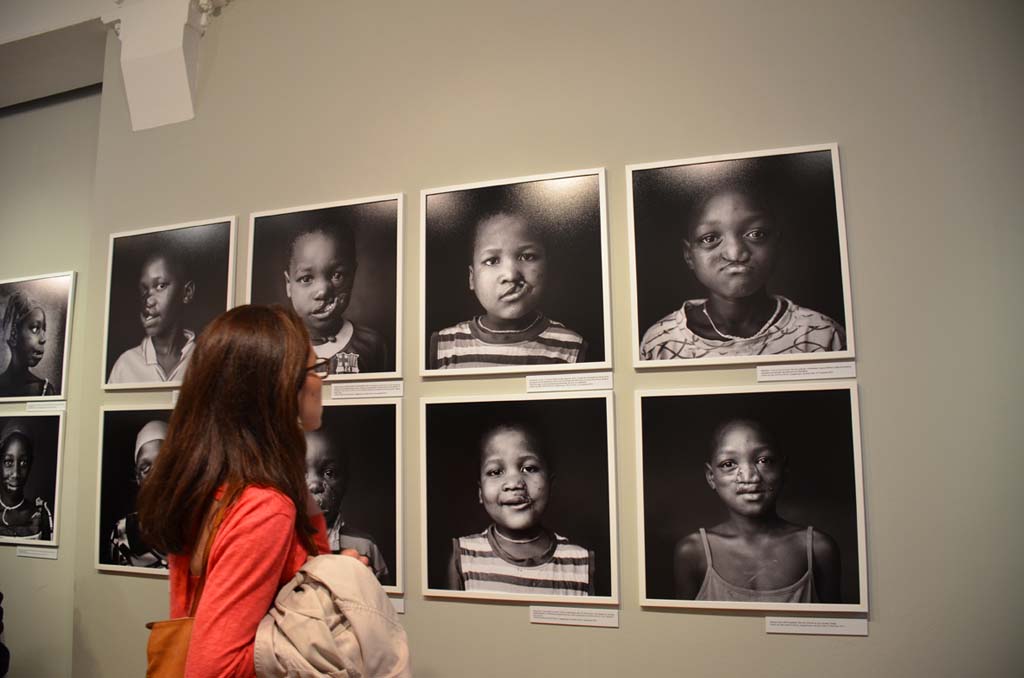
x=370 y=505
x=42 y=477
x=117 y=477
x=578 y=504
x=204 y=248
x=52 y=295
x=808 y=269
x=812 y=428
x=567 y=211
x=375 y=292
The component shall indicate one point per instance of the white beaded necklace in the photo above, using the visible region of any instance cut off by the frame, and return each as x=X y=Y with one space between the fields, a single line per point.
x=778 y=306
x=480 y=321
x=6 y=508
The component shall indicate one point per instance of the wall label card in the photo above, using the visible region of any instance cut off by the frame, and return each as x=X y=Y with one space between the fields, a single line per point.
x=817 y=626
x=574 y=616
x=376 y=389
x=34 y=552
x=47 y=406
x=838 y=370
x=592 y=381
x=398 y=604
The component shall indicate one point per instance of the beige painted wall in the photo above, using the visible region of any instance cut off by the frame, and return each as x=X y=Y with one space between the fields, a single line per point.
x=324 y=100
x=47 y=162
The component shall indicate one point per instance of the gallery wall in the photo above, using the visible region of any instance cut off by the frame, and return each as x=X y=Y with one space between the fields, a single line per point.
x=46 y=186
x=335 y=100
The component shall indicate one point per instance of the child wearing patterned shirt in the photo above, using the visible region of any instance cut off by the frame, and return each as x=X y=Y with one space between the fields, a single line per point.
x=507 y=273
x=516 y=553
x=731 y=246
x=321 y=272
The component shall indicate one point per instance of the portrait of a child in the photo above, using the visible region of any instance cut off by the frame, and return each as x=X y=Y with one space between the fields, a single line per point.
x=337 y=266
x=29 y=466
x=514 y=276
x=517 y=504
x=126 y=544
x=164 y=285
x=755 y=248
x=757 y=506
x=34 y=321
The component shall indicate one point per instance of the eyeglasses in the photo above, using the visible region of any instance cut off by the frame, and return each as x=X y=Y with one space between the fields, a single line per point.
x=319 y=366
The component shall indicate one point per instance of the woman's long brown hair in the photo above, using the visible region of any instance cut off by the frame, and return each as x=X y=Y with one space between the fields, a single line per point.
x=236 y=423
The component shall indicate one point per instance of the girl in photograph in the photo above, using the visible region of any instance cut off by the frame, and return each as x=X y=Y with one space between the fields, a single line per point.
x=327 y=476
x=127 y=547
x=508 y=274
x=165 y=288
x=517 y=553
x=24 y=328
x=731 y=244
x=754 y=555
x=20 y=515
x=321 y=272
x=227 y=497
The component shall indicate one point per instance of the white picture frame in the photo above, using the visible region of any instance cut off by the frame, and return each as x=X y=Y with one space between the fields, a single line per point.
x=571 y=211
x=371 y=460
x=459 y=502
x=55 y=293
x=120 y=472
x=660 y=196
x=671 y=482
x=53 y=456
x=126 y=246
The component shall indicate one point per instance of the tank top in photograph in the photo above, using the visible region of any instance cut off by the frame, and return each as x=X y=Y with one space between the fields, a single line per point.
x=715 y=587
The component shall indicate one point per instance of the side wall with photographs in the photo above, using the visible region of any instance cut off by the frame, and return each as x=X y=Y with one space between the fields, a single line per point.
x=362 y=99
x=46 y=190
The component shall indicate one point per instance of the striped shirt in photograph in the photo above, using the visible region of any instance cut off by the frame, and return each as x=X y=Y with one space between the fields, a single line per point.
x=564 y=571
x=469 y=344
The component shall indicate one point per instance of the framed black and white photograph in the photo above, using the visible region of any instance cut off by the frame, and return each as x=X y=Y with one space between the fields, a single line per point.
x=518 y=498
x=339 y=265
x=514 y=276
x=354 y=471
x=130 y=442
x=164 y=285
x=35 y=318
x=30 y=461
x=739 y=259
x=752 y=498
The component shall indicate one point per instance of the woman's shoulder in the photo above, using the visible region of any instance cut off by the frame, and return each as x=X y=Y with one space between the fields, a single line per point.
x=262 y=499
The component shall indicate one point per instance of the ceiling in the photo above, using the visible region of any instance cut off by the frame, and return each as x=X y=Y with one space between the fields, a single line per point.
x=52 y=62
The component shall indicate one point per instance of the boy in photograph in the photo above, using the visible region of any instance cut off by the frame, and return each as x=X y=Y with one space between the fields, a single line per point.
x=508 y=273
x=165 y=288
x=516 y=553
x=731 y=244
x=327 y=476
x=319 y=279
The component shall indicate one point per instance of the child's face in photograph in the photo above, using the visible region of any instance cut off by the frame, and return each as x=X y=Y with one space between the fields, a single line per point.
x=508 y=269
x=30 y=340
x=514 y=481
x=744 y=470
x=324 y=474
x=732 y=247
x=17 y=462
x=162 y=297
x=319 y=281
x=146 y=458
